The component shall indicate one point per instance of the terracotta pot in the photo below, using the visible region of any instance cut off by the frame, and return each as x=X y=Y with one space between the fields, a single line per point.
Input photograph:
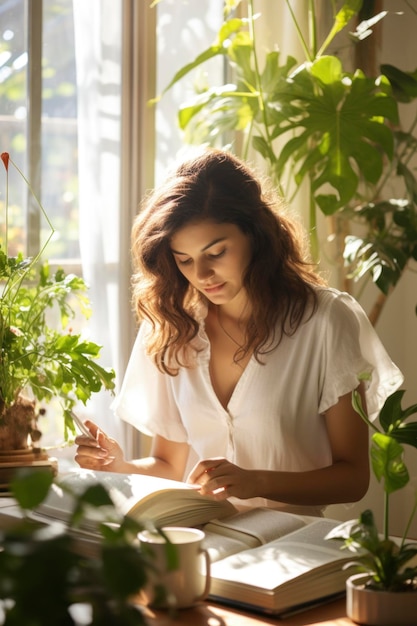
x=379 y=608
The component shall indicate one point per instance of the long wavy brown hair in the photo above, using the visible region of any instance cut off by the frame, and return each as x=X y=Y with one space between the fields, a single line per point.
x=279 y=279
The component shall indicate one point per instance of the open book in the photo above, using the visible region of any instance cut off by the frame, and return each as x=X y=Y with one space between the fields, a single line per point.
x=164 y=502
x=261 y=559
x=274 y=562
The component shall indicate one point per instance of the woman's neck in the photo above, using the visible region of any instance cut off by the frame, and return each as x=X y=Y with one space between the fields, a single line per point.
x=237 y=311
x=231 y=321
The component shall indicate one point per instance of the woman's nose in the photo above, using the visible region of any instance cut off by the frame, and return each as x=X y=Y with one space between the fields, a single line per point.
x=203 y=270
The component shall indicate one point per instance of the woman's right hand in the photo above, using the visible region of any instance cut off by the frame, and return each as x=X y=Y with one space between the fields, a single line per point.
x=99 y=452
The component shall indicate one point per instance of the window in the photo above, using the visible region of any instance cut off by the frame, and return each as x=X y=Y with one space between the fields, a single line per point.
x=38 y=115
x=183 y=30
x=60 y=120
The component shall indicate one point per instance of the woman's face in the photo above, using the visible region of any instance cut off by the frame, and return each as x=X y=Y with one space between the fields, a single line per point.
x=213 y=258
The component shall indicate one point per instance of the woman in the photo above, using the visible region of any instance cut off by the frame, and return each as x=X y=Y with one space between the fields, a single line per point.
x=245 y=361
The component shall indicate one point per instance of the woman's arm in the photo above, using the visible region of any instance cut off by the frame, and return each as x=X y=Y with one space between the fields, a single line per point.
x=345 y=480
x=167 y=458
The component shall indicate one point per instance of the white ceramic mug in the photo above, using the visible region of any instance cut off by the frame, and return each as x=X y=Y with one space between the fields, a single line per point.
x=189 y=582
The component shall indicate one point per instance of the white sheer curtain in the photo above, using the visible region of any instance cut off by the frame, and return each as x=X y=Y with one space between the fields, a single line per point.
x=98 y=39
x=115 y=58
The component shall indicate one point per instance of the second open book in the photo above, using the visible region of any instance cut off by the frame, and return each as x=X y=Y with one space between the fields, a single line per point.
x=262 y=559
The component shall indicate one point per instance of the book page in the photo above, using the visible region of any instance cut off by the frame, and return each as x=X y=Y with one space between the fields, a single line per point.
x=271 y=565
x=164 y=501
x=124 y=489
x=180 y=507
x=314 y=534
x=258 y=526
x=219 y=547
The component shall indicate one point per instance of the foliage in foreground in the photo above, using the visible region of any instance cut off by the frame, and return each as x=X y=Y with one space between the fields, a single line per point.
x=45 y=573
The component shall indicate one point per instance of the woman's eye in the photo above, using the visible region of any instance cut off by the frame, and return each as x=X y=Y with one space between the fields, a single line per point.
x=218 y=255
x=185 y=262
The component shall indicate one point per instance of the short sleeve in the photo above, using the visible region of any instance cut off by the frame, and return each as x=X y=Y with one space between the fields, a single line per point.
x=352 y=351
x=146 y=400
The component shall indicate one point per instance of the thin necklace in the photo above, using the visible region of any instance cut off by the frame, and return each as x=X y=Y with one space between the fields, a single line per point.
x=239 y=345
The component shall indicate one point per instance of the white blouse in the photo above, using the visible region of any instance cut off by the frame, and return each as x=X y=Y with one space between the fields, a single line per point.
x=274 y=419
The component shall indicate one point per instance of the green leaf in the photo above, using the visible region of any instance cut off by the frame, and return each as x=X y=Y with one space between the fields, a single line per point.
x=34 y=354
x=344 y=118
x=30 y=486
x=348 y=10
x=387 y=462
x=392 y=418
x=391 y=413
x=405 y=433
x=328 y=70
x=272 y=75
x=94 y=496
x=124 y=570
x=208 y=98
x=404 y=84
x=219 y=47
x=240 y=51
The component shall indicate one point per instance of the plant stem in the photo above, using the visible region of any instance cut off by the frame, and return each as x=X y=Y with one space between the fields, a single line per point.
x=336 y=28
x=312 y=26
x=6 y=238
x=357 y=405
x=20 y=279
x=314 y=243
x=410 y=519
x=299 y=33
x=386 y=515
x=257 y=73
x=44 y=213
x=405 y=147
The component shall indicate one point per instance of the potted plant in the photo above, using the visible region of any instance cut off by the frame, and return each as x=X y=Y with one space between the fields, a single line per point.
x=39 y=361
x=385 y=589
x=318 y=125
x=97 y=591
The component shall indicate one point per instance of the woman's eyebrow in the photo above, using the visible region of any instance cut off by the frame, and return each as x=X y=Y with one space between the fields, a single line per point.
x=212 y=243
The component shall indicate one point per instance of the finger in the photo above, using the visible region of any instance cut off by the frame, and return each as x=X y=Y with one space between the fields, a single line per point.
x=202 y=468
x=92 y=427
x=215 y=484
x=101 y=441
x=98 y=460
x=87 y=462
x=213 y=490
x=202 y=480
x=83 y=440
x=106 y=442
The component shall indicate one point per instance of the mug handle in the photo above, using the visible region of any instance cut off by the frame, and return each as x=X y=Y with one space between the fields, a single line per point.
x=207 y=586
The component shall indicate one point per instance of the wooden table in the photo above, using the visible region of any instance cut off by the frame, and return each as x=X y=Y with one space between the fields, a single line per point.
x=210 y=614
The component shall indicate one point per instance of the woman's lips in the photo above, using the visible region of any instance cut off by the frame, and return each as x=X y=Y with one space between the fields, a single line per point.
x=214 y=288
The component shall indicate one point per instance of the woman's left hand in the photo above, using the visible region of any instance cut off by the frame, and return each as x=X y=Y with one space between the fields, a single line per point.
x=222 y=479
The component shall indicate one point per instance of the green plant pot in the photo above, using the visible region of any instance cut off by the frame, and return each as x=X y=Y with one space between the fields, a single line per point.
x=379 y=608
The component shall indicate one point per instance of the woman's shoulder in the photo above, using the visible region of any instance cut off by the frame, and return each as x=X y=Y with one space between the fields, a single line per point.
x=330 y=296
x=333 y=304
x=340 y=313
